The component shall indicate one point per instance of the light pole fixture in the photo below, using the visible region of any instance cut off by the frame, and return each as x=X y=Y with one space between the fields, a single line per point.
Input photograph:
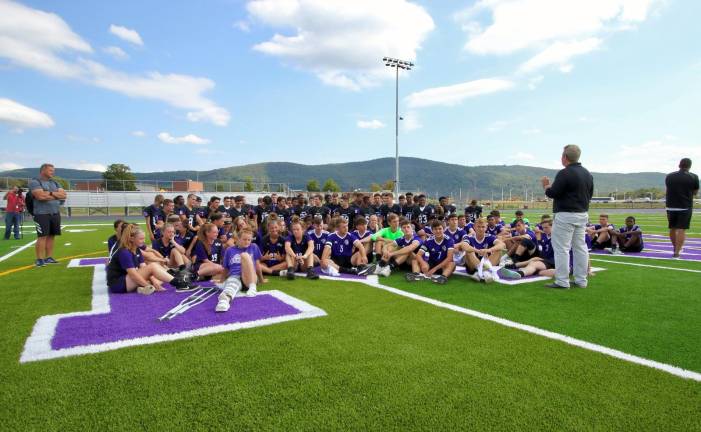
x=397 y=64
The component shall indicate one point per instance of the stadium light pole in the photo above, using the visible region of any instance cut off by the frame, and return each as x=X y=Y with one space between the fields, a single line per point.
x=397 y=64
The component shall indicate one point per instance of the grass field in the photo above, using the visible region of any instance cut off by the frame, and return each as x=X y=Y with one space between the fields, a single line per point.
x=377 y=360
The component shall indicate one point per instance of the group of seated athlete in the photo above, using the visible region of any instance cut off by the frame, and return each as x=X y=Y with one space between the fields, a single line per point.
x=372 y=235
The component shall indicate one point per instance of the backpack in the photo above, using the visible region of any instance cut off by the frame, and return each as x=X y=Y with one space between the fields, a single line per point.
x=29 y=198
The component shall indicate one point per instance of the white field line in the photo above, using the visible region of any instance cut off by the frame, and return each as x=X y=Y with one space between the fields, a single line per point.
x=664 y=258
x=648 y=265
x=674 y=370
x=16 y=251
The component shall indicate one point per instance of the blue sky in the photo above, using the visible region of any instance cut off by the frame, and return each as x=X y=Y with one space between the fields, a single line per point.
x=165 y=85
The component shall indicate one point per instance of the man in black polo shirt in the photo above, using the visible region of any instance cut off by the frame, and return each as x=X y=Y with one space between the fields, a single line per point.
x=571 y=192
x=682 y=186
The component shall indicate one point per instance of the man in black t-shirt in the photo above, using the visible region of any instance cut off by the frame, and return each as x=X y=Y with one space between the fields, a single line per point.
x=682 y=186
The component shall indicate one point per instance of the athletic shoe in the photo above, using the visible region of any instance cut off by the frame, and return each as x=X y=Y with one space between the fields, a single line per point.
x=579 y=285
x=331 y=271
x=505 y=273
x=487 y=277
x=252 y=291
x=39 y=263
x=378 y=269
x=487 y=265
x=506 y=261
x=370 y=268
x=290 y=274
x=183 y=284
x=413 y=277
x=556 y=286
x=385 y=271
x=50 y=260
x=439 y=279
x=146 y=290
x=475 y=277
x=353 y=270
x=223 y=304
x=616 y=251
x=311 y=274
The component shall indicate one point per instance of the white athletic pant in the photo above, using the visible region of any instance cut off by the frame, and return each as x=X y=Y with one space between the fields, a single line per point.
x=568 y=233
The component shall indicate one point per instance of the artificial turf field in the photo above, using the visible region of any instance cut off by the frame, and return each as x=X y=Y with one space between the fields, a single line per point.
x=377 y=360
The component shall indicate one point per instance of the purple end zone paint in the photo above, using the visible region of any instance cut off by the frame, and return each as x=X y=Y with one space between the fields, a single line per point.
x=92 y=261
x=134 y=316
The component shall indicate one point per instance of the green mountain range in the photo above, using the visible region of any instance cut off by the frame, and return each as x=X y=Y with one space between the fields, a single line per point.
x=435 y=178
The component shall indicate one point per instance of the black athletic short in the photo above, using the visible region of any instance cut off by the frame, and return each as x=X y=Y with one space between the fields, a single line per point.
x=596 y=245
x=635 y=248
x=342 y=261
x=548 y=264
x=679 y=219
x=47 y=224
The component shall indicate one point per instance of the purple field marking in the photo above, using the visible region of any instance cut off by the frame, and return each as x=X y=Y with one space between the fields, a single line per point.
x=650 y=254
x=92 y=261
x=135 y=316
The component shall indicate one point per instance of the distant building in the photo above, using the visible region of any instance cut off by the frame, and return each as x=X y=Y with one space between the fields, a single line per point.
x=188 y=186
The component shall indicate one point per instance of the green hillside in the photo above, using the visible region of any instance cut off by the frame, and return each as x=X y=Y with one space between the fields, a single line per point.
x=415 y=174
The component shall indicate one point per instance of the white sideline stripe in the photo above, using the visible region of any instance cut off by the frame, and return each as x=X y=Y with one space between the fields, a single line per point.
x=38 y=345
x=648 y=265
x=674 y=370
x=668 y=258
x=16 y=251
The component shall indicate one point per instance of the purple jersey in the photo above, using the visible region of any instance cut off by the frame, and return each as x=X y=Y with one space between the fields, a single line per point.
x=341 y=246
x=122 y=260
x=161 y=248
x=403 y=242
x=625 y=230
x=428 y=231
x=184 y=240
x=528 y=232
x=199 y=254
x=299 y=248
x=494 y=230
x=232 y=258
x=111 y=245
x=486 y=242
x=319 y=241
x=597 y=227
x=189 y=215
x=437 y=251
x=367 y=233
x=456 y=236
x=154 y=215
x=270 y=246
x=545 y=247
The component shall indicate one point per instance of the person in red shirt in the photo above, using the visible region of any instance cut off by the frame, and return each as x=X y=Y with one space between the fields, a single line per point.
x=13 y=211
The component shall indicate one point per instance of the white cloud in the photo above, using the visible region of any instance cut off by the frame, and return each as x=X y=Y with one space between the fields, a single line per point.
x=522 y=156
x=182 y=91
x=186 y=139
x=44 y=42
x=116 y=52
x=411 y=121
x=658 y=155
x=242 y=25
x=8 y=166
x=535 y=81
x=342 y=42
x=521 y=24
x=32 y=38
x=370 y=124
x=139 y=133
x=454 y=94
x=88 y=166
x=126 y=34
x=22 y=117
x=531 y=131
x=497 y=126
x=560 y=53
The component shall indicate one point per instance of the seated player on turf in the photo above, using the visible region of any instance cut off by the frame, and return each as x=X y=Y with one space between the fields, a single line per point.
x=601 y=233
x=628 y=238
x=544 y=263
x=299 y=252
x=127 y=272
x=521 y=246
x=519 y=217
x=174 y=254
x=438 y=265
x=207 y=253
x=318 y=235
x=113 y=241
x=483 y=245
x=374 y=223
x=361 y=231
x=493 y=228
x=401 y=252
x=543 y=218
x=453 y=231
x=240 y=269
x=272 y=247
x=384 y=236
x=343 y=252
x=183 y=236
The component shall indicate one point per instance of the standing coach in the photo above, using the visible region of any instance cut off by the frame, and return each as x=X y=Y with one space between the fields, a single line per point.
x=47 y=196
x=571 y=192
x=681 y=188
